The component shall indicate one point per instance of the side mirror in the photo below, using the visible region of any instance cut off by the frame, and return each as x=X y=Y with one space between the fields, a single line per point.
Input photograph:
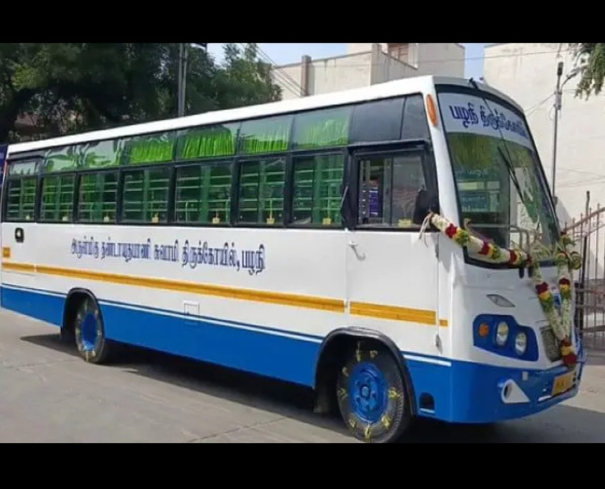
x=424 y=204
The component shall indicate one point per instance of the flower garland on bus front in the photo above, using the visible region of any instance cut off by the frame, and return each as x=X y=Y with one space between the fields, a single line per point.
x=566 y=260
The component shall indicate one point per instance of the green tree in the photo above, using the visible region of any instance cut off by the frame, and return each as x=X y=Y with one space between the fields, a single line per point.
x=591 y=59
x=73 y=87
x=244 y=79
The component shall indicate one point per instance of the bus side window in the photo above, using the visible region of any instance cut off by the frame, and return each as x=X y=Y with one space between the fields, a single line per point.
x=203 y=193
x=261 y=191
x=98 y=197
x=317 y=189
x=145 y=195
x=57 y=198
x=21 y=199
x=389 y=187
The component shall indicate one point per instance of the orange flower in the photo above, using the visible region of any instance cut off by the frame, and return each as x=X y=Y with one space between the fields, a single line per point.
x=544 y=296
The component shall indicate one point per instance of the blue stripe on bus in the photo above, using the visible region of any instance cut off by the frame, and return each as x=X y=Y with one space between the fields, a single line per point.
x=279 y=354
x=462 y=391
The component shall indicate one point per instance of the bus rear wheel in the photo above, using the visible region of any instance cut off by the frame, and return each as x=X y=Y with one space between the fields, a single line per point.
x=372 y=394
x=89 y=333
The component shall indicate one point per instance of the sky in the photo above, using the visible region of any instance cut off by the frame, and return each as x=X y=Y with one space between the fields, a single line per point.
x=284 y=53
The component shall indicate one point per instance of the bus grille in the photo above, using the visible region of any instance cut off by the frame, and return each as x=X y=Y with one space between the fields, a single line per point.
x=551 y=344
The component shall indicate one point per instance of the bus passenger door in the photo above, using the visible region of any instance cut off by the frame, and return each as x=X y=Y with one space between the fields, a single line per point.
x=393 y=271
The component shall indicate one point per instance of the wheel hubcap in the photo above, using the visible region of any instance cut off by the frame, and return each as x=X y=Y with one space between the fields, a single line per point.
x=89 y=332
x=368 y=392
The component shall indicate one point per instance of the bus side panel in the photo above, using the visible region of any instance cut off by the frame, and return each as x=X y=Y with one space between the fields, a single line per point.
x=20 y=283
x=246 y=347
x=253 y=299
x=41 y=305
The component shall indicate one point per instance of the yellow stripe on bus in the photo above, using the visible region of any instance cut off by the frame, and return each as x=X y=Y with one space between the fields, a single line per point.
x=393 y=313
x=280 y=298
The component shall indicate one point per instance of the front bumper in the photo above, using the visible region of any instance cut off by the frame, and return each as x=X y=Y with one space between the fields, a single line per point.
x=466 y=392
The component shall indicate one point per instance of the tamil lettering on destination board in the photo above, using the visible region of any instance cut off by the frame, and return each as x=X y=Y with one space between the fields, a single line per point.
x=472 y=114
x=188 y=254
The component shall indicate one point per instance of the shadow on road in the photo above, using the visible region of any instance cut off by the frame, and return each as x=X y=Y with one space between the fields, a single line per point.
x=561 y=424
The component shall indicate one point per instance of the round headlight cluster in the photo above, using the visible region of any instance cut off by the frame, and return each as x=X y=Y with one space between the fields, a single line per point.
x=502 y=333
x=520 y=343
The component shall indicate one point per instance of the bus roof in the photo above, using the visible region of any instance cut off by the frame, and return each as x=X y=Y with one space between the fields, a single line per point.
x=374 y=92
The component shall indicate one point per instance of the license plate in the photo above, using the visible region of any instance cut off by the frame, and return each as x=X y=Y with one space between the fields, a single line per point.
x=563 y=383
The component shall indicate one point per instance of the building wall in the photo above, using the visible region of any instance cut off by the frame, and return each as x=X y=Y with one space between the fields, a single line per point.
x=438 y=58
x=527 y=73
x=386 y=68
x=358 y=47
x=366 y=64
x=441 y=58
x=325 y=75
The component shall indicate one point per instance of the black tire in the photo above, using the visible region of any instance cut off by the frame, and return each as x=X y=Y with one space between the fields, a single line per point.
x=89 y=333
x=67 y=336
x=372 y=394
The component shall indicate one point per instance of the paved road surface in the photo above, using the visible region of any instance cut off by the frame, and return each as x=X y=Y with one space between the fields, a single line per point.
x=48 y=395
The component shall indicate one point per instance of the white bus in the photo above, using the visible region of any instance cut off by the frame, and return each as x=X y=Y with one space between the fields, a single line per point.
x=287 y=240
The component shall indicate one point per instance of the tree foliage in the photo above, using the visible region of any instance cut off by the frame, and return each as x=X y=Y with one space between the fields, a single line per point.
x=591 y=59
x=73 y=87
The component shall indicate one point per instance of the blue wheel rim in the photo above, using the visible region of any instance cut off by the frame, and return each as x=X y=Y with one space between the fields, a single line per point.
x=89 y=332
x=368 y=392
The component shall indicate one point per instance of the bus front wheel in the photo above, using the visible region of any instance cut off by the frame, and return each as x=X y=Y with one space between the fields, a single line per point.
x=372 y=394
x=90 y=333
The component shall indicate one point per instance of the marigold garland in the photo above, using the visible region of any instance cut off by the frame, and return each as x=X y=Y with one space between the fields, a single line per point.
x=566 y=260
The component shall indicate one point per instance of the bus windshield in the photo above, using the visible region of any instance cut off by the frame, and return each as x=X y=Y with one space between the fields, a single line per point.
x=501 y=190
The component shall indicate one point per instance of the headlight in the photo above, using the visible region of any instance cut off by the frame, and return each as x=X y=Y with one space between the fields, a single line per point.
x=501 y=333
x=520 y=343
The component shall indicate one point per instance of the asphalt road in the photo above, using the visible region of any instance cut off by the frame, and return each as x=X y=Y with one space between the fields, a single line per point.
x=47 y=394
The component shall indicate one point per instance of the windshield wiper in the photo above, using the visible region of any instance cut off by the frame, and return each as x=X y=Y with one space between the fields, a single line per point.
x=506 y=160
x=513 y=176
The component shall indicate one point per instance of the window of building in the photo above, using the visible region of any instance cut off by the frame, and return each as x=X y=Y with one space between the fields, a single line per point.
x=317 y=189
x=261 y=191
x=389 y=186
x=203 y=194
x=57 y=198
x=21 y=199
x=98 y=197
x=145 y=195
x=400 y=51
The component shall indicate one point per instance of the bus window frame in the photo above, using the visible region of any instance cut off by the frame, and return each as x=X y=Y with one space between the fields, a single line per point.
x=235 y=189
x=171 y=187
x=97 y=171
x=420 y=147
x=74 y=199
x=348 y=221
x=38 y=156
x=337 y=151
x=227 y=160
